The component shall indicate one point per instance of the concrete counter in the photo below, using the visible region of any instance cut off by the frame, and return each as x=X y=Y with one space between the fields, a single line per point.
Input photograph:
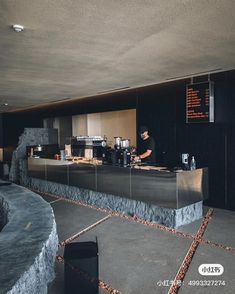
x=28 y=242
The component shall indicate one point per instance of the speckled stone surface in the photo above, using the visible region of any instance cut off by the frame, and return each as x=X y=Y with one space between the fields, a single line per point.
x=188 y=214
x=4 y=209
x=30 y=137
x=28 y=243
x=169 y=217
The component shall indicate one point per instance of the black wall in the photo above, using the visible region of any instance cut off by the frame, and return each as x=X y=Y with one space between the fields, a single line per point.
x=162 y=108
x=13 y=126
x=65 y=130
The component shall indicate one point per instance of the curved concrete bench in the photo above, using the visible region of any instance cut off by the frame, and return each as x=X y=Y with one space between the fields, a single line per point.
x=4 y=209
x=28 y=242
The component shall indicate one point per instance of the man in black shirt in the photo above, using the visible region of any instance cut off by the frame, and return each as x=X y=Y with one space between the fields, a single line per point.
x=147 y=148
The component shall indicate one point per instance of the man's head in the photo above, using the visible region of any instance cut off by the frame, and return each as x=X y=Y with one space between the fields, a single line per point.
x=143 y=132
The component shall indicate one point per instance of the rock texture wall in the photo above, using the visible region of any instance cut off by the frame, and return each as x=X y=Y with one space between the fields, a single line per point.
x=4 y=209
x=28 y=243
x=169 y=217
x=30 y=137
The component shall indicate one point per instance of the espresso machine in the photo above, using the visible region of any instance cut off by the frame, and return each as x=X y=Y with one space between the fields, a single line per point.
x=88 y=146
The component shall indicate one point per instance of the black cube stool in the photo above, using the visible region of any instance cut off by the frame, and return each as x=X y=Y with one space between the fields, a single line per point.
x=81 y=268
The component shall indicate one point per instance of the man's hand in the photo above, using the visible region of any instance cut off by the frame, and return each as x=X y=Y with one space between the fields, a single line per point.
x=144 y=155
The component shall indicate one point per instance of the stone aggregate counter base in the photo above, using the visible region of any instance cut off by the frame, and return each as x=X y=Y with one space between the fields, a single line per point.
x=30 y=137
x=172 y=218
x=28 y=243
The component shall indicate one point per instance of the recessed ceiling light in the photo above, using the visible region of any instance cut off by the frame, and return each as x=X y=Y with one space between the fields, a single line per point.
x=3 y=104
x=18 y=28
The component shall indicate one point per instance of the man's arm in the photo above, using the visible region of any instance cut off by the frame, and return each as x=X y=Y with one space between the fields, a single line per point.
x=145 y=154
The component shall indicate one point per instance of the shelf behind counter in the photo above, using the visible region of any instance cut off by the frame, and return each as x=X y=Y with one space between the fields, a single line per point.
x=160 y=187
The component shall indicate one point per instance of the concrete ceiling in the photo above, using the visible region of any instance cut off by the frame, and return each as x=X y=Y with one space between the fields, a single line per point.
x=74 y=48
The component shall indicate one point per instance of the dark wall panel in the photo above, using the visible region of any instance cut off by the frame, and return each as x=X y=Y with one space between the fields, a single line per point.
x=163 y=109
x=13 y=127
x=65 y=129
x=231 y=168
x=157 y=110
x=207 y=144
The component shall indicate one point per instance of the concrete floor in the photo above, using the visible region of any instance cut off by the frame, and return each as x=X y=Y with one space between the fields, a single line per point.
x=135 y=258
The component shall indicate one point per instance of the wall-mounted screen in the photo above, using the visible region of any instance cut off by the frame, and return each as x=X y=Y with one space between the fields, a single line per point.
x=200 y=102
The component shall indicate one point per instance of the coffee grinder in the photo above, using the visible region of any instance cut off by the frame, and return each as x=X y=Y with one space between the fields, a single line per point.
x=116 y=154
x=185 y=161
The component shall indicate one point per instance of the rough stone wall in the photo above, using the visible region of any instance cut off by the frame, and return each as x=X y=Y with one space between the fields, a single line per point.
x=28 y=243
x=169 y=217
x=41 y=272
x=4 y=209
x=30 y=137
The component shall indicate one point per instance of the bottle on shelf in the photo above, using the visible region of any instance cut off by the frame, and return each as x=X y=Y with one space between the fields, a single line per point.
x=193 y=163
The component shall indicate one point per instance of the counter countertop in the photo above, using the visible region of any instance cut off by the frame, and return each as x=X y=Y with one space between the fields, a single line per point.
x=97 y=163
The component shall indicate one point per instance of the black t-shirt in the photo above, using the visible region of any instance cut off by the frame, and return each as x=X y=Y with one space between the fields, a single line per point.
x=148 y=144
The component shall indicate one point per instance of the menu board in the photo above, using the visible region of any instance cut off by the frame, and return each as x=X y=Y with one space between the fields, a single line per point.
x=200 y=102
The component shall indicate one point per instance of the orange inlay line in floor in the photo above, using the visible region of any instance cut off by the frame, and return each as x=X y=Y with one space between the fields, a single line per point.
x=143 y=222
x=189 y=256
x=217 y=245
x=70 y=239
x=120 y=215
x=102 y=284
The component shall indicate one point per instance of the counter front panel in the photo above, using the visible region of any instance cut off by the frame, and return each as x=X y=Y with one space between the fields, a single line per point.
x=82 y=176
x=37 y=168
x=114 y=180
x=162 y=188
x=56 y=173
x=151 y=185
